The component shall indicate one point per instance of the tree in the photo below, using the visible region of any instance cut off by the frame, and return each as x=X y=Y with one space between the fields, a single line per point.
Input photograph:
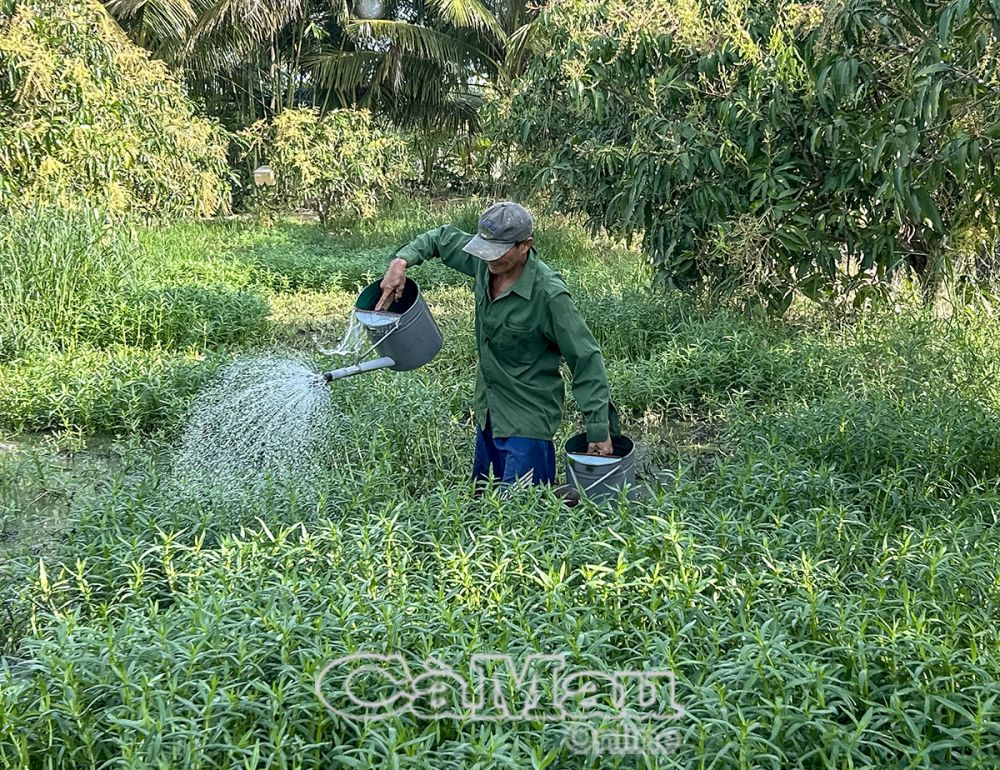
x=242 y=58
x=772 y=147
x=85 y=115
x=418 y=62
x=342 y=163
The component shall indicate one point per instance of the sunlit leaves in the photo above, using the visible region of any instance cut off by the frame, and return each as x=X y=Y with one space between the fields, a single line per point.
x=338 y=163
x=863 y=136
x=87 y=116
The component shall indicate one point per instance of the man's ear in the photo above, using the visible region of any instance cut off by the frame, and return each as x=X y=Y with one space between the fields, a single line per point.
x=529 y=243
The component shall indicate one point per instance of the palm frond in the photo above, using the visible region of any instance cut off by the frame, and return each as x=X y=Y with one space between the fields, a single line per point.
x=246 y=21
x=423 y=42
x=159 y=23
x=472 y=14
x=345 y=71
x=520 y=43
x=420 y=66
x=406 y=88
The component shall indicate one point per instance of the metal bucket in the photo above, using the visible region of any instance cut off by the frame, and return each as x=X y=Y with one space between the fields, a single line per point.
x=412 y=339
x=600 y=478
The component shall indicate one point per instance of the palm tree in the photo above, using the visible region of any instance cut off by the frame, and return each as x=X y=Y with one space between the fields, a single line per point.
x=423 y=63
x=238 y=56
x=420 y=63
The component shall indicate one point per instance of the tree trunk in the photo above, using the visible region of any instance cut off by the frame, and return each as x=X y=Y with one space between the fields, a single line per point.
x=932 y=271
x=293 y=75
x=430 y=151
x=273 y=77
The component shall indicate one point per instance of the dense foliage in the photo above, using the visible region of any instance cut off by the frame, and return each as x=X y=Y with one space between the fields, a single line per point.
x=421 y=64
x=85 y=115
x=95 y=334
x=341 y=163
x=59 y=274
x=773 y=146
x=418 y=62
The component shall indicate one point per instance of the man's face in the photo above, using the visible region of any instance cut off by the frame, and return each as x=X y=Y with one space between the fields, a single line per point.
x=514 y=256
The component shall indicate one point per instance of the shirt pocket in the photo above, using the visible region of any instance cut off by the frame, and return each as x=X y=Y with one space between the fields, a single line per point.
x=517 y=345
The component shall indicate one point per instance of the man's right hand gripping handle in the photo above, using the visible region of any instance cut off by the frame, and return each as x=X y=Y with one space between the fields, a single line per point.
x=392 y=284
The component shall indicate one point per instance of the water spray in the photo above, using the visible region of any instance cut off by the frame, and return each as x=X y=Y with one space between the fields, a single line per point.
x=265 y=420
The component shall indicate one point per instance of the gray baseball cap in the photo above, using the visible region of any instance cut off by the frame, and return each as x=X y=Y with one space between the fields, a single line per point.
x=500 y=227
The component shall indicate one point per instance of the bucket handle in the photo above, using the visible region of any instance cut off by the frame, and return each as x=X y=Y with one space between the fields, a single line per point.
x=576 y=479
x=395 y=326
x=384 y=337
x=615 y=431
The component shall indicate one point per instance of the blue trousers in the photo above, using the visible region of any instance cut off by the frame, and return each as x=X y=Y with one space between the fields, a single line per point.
x=513 y=458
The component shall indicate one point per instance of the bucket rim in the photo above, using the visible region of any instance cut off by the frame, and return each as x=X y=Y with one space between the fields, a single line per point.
x=580 y=439
x=599 y=461
x=373 y=290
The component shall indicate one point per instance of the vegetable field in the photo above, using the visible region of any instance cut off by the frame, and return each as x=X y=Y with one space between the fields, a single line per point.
x=816 y=557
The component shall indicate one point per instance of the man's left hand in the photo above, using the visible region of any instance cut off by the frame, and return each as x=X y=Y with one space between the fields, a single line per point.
x=603 y=448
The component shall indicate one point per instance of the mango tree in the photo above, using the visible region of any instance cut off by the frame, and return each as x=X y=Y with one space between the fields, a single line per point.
x=771 y=148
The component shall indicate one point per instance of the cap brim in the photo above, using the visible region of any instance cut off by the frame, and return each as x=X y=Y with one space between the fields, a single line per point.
x=486 y=250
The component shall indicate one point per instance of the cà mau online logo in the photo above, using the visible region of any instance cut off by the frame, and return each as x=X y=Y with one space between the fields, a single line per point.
x=543 y=688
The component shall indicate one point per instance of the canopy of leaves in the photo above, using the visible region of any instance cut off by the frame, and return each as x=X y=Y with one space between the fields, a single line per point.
x=341 y=163
x=418 y=62
x=771 y=147
x=87 y=115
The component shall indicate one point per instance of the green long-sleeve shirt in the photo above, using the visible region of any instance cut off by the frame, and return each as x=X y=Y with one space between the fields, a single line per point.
x=521 y=336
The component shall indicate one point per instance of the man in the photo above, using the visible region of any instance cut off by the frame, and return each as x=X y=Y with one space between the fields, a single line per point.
x=525 y=323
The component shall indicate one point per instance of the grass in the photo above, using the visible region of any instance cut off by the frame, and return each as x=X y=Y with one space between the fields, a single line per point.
x=818 y=563
x=56 y=272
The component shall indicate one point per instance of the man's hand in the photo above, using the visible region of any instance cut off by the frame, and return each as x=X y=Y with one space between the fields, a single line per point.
x=392 y=284
x=603 y=448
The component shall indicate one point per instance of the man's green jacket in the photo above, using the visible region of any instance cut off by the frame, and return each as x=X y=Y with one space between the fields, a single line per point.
x=521 y=336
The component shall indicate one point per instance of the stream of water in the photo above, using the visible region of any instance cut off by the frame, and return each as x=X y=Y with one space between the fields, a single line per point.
x=262 y=422
x=355 y=341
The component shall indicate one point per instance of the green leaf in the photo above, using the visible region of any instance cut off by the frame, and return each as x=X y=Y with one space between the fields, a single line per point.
x=929 y=210
x=812 y=286
x=944 y=24
x=876 y=155
x=716 y=160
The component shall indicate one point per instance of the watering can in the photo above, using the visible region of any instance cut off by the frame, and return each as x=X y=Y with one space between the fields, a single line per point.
x=405 y=333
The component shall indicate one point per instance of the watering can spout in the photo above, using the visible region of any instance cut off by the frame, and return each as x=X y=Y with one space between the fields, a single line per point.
x=349 y=371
